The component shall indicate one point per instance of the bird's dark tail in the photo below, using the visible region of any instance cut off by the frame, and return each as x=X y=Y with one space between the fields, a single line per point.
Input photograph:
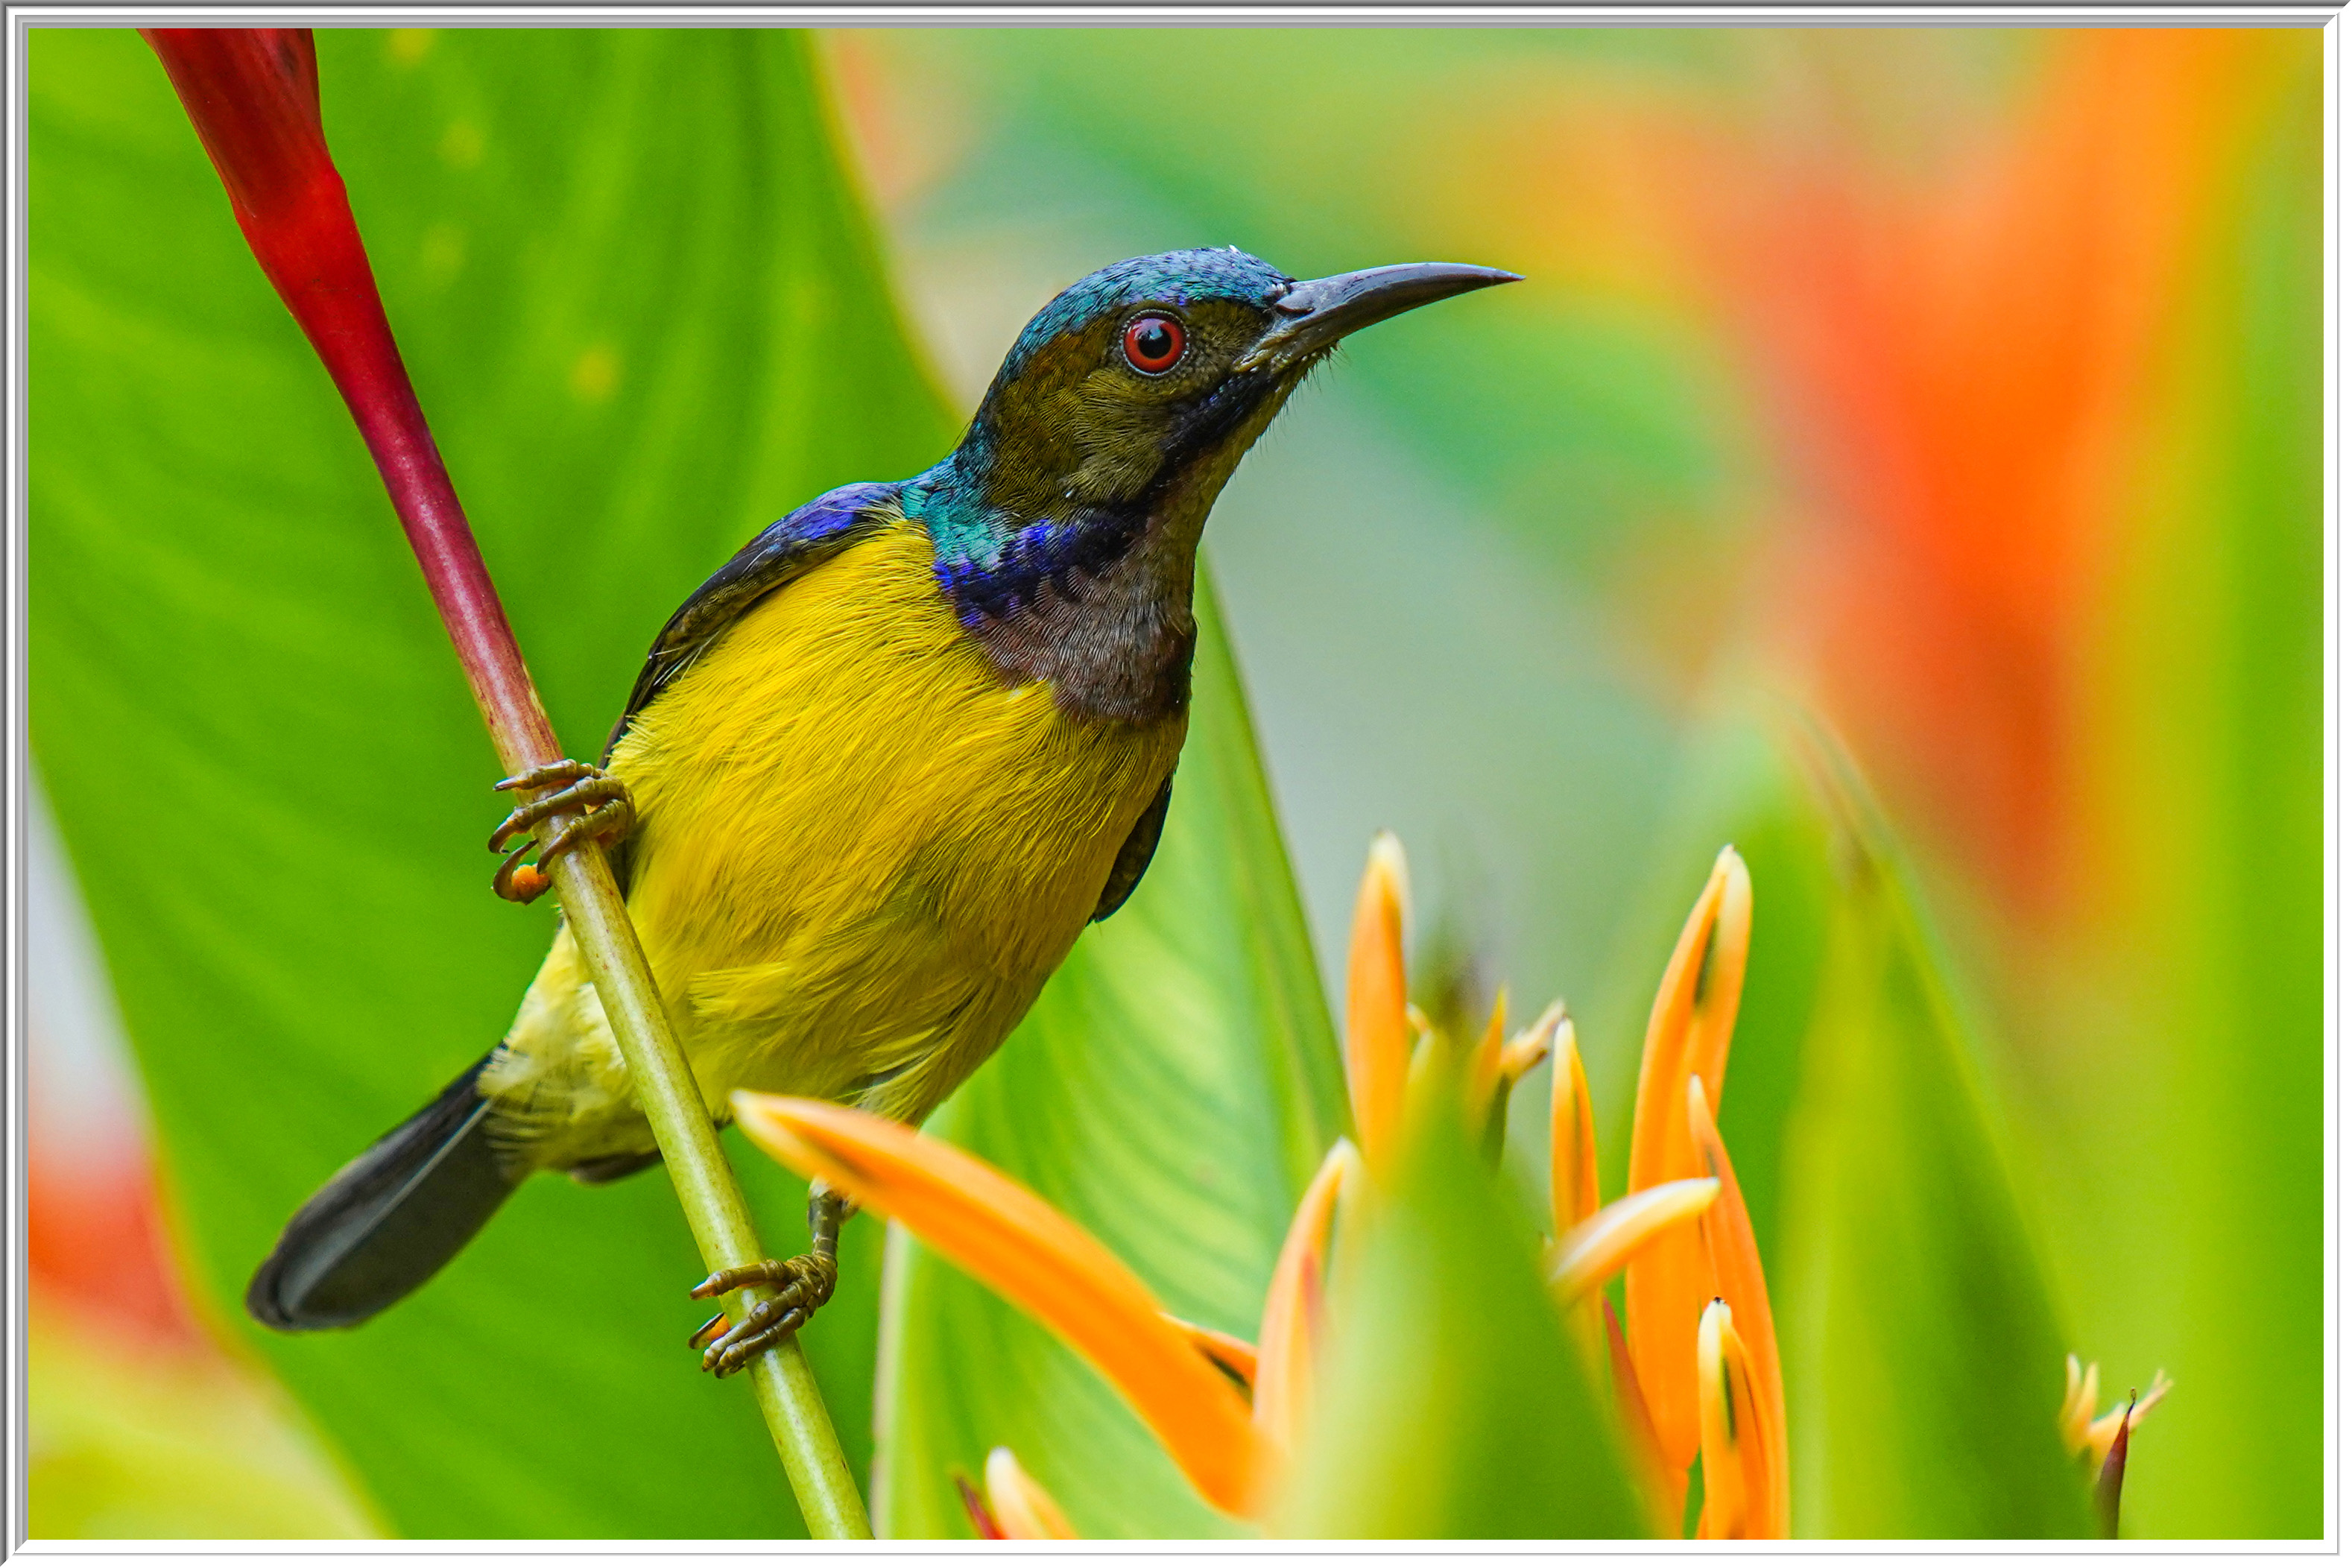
x=388 y=1220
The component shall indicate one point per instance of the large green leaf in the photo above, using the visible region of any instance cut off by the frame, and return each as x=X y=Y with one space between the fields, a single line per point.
x=1924 y=1360
x=644 y=321
x=1172 y=1090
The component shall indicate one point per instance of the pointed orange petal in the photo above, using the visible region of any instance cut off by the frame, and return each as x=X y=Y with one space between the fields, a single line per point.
x=1019 y=1246
x=1739 y=1269
x=1690 y=1027
x=1292 y=1325
x=1589 y=1256
x=1662 y=1485
x=1231 y=1351
x=1024 y=1509
x=1575 y=1161
x=1724 y=974
x=1378 y=1045
x=1485 y=1071
x=1657 y=1104
x=1732 y=1460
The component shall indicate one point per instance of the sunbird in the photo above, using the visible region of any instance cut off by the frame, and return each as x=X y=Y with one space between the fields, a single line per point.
x=876 y=774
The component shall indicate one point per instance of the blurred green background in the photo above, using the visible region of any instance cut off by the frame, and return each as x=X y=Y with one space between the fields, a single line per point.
x=1958 y=389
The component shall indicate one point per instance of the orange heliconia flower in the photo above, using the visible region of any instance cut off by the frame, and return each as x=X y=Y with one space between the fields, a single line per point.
x=1230 y=1414
x=1689 y=1037
x=1685 y=1286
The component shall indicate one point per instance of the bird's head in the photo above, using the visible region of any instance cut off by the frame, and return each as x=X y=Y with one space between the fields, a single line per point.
x=1137 y=389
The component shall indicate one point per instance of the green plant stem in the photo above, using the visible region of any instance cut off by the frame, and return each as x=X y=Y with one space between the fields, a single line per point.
x=782 y=1379
x=253 y=96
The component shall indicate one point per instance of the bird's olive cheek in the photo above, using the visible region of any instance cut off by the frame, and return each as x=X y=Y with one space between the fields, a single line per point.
x=1114 y=434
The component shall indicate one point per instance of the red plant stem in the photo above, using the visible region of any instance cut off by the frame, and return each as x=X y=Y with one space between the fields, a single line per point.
x=2108 y=1492
x=253 y=95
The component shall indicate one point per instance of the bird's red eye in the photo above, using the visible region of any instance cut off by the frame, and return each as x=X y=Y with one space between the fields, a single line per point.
x=1154 y=343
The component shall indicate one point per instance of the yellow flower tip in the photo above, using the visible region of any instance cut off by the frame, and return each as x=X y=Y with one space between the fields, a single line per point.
x=1734 y=1453
x=2082 y=1397
x=1721 y=974
x=1387 y=862
x=1723 y=1511
x=1037 y=1258
x=1575 y=1160
x=1526 y=1051
x=1378 y=1046
x=1587 y=1256
x=1738 y=890
x=1665 y=1041
x=1023 y=1510
x=1231 y=1353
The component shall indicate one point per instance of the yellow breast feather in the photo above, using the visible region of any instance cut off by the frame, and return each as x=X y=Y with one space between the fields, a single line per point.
x=860 y=852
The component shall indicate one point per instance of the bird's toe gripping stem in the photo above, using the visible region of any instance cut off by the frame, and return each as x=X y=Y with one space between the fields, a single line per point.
x=605 y=813
x=804 y=1284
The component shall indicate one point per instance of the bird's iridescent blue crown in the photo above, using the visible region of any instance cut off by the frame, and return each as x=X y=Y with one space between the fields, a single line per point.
x=1171 y=278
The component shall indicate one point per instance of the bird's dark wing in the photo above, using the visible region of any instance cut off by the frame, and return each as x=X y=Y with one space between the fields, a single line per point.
x=1135 y=855
x=781 y=551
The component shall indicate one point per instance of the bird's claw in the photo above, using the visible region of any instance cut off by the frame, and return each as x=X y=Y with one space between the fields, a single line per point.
x=606 y=814
x=802 y=1285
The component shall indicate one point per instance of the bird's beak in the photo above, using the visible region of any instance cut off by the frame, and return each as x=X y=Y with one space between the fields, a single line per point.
x=1318 y=313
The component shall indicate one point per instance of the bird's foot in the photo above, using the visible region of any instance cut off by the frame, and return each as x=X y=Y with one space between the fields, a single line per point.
x=804 y=1284
x=605 y=813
